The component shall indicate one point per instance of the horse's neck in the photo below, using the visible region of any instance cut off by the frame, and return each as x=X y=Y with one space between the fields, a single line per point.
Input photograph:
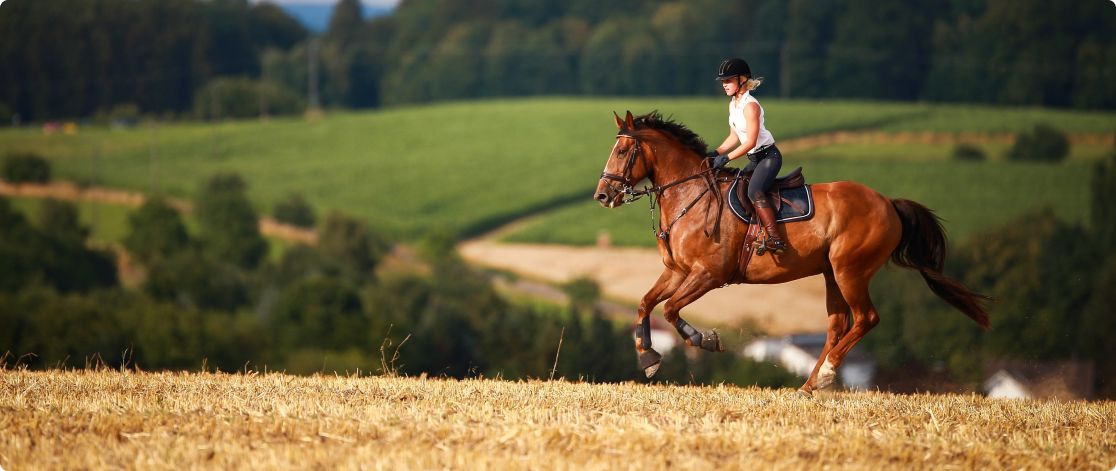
x=673 y=165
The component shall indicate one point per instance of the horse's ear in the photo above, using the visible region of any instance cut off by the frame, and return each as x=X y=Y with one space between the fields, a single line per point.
x=619 y=123
x=630 y=120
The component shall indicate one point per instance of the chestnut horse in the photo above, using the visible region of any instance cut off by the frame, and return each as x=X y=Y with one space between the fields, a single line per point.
x=854 y=232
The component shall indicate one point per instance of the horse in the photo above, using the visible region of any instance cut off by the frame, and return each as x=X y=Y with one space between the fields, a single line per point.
x=853 y=233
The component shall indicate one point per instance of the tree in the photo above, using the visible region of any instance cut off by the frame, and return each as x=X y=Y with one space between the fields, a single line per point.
x=881 y=49
x=320 y=312
x=228 y=225
x=26 y=168
x=1041 y=270
x=294 y=210
x=345 y=23
x=155 y=231
x=810 y=29
x=197 y=280
x=59 y=220
x=1044 y=143
x=1103 y=207
x=584 y=293
x=349 y=248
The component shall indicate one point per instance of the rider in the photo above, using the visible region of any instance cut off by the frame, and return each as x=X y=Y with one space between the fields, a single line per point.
x=747 y=136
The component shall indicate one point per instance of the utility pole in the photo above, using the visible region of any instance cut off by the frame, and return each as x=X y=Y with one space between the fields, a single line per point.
x=784 y=70
x=153 y=155
x=215 y=115
x=312 y=76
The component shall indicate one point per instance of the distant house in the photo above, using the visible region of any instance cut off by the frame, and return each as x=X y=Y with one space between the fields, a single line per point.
x=799 y=353
x=1040 y=380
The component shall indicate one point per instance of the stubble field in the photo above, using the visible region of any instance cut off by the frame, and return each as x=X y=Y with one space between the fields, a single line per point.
x=111 y=419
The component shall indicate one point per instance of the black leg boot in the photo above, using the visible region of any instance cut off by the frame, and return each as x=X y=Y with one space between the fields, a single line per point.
x=767 y=217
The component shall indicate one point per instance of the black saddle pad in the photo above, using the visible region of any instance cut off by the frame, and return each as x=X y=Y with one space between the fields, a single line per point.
x=800 y=209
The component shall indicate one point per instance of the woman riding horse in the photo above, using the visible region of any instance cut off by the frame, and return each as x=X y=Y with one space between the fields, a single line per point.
x=748 y=136
x=854 y=231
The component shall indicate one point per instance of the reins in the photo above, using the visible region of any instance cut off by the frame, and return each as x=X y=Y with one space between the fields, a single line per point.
x=654 y=191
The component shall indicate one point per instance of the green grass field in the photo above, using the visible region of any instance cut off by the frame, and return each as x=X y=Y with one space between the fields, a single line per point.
x=468 y=166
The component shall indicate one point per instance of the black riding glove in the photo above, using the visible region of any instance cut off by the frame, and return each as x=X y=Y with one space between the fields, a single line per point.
x=720 y=161
x=709 y=154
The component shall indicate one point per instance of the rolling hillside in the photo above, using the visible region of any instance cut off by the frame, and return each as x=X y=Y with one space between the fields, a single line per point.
x=466 y=167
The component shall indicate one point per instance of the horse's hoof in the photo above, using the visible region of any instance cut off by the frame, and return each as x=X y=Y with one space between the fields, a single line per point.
x=804 y=394
x=826 y=375
x=711 y=341
x=649 y=362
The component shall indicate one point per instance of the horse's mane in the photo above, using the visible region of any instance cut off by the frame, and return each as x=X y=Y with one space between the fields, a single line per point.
x=654 y=120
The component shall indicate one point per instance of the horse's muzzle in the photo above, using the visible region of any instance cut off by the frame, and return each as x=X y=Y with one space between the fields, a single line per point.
x=606 y=195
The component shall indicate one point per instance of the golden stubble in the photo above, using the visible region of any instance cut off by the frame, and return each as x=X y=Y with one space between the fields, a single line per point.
x=112 y=419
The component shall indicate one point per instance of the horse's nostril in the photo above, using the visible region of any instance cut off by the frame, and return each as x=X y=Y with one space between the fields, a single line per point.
x=601 y=196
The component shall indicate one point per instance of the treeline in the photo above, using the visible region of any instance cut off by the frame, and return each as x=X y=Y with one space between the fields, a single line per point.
x=212 y=298
x=1053 y=284
x=76 y=58
x=156 y=54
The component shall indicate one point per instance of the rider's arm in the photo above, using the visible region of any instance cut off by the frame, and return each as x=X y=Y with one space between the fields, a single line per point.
x=730 y=142
x=751 y=114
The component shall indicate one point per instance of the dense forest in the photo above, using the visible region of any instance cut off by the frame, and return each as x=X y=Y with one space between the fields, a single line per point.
x=74 y=58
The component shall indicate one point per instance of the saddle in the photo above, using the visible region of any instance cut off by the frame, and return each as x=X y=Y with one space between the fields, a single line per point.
x=779 y=194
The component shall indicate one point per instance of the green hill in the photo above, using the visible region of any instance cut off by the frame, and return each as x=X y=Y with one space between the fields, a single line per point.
x=468 y=166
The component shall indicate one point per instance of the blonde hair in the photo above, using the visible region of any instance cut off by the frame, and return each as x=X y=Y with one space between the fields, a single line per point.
x=753 y=83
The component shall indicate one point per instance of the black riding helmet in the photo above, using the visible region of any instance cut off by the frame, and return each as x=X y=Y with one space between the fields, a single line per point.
x=735 y=67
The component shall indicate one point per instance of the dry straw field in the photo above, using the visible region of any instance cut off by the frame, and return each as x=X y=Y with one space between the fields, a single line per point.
x=111 y=419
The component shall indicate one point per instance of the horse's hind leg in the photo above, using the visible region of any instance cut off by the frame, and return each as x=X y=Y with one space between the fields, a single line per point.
x=664 y=287
x=697 y=283
x=838 y=311
x=855 y=289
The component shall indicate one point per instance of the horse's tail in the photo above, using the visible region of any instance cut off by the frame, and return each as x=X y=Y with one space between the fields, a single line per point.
x=923 y=248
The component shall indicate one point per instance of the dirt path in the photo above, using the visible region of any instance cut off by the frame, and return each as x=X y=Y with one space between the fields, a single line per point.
x=625 y=274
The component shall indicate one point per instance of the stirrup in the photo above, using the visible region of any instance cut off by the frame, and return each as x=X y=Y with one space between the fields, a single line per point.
x=775 y=246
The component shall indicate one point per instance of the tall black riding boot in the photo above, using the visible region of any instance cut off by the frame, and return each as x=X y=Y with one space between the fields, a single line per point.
x=767 y=217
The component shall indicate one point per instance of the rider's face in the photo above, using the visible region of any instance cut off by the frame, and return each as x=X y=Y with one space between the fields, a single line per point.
x=731 y=85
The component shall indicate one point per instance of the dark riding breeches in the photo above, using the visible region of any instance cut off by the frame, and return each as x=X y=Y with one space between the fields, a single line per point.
x=764 y=170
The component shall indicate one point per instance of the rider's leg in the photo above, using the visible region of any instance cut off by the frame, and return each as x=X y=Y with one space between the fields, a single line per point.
x=761 y=181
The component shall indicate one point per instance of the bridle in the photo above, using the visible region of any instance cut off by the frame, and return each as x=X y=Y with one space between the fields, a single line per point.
x=625 y=179
x=628 y=186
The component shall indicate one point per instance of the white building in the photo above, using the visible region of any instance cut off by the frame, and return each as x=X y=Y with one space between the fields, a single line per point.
x=799 y=353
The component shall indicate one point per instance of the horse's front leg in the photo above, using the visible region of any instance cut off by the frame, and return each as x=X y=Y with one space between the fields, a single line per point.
x=649 y=359
x=696 y=284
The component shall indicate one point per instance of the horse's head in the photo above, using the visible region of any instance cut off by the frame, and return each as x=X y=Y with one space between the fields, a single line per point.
x=626 y=165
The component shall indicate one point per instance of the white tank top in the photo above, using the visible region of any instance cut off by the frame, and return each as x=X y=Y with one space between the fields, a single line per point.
x=737 y=121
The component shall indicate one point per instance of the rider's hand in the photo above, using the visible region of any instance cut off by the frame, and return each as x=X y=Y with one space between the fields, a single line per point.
x=709 y=154
x=720 y=161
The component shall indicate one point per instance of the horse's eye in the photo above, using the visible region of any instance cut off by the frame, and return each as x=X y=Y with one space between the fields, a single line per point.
x=621 y=153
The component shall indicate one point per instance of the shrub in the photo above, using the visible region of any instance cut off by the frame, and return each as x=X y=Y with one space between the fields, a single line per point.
x=26 y=168
x=1044 y=143
x=968 y=152
x=244 y=98
x=294 y=210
